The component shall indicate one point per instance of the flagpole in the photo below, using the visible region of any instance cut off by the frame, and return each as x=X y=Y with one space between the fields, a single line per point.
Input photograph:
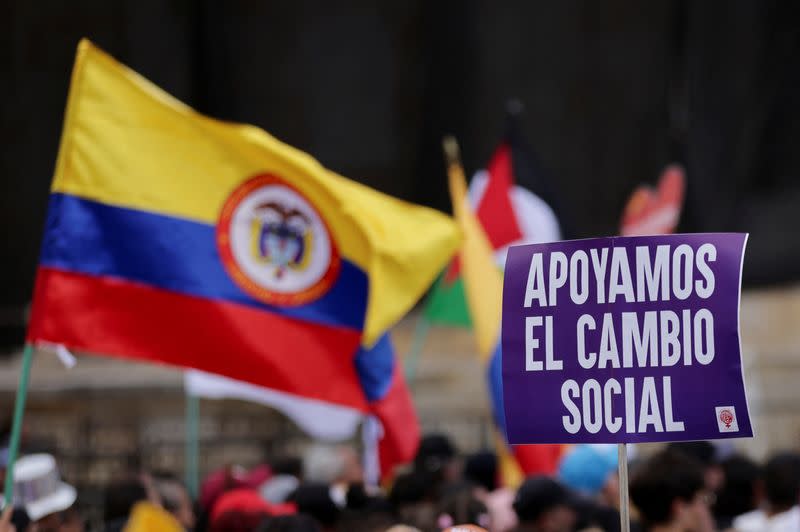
x=192 y=451
x=16 y=426
x=423 y=324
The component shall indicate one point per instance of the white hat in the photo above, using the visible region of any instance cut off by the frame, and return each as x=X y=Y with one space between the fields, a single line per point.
x=38 y=487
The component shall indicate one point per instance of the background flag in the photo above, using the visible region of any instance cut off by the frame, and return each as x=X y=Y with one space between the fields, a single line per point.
x=483 y=282
x=175 y=238
x=513 y=204
x=655 y=211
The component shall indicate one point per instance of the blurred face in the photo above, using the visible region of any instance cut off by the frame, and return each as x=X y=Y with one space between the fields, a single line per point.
x=714 y=478
x=71 y=522
x=453 y=469
x=695 y=516
x=609 y=493
x=66 y=521
x=48 y=523
x=559 y=519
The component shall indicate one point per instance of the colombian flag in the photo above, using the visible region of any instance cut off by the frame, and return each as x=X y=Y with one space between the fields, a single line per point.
x=179 y=239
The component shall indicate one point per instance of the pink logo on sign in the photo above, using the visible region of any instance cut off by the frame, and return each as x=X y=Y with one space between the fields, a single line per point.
x=726 y=416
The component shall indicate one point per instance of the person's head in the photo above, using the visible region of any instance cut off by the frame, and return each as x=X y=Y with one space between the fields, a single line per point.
x=669 y=491
x=701 y=452
x=437 y=454
x=738 y=492
x=365 y=520
x=48 y=523
x=327 y=464
x=782 y=481
x=71 y=521
x=175 y=498
x=39 y=489
x=237 y=521
x=120 y=497
x=413 y=497
x=705 y=454
x=590 y=471
x=481 y=469
x=317 y=501
x=358 y=498
x=289 y=523
x=287 y=465
x=243 y=509
x=65 y=521
x=542 y=504
x=413 y=487
x=229 y=478
x=459 y=505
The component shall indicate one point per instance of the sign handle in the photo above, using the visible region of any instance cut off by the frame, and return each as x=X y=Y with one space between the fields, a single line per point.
x=16 y=426
x=624 y=501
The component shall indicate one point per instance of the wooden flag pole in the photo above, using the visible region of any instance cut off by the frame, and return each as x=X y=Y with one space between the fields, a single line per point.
x=624 y=500
x=192 y=451
x=16 y=426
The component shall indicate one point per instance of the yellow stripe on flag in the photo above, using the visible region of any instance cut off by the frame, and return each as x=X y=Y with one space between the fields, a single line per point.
x=483 y=286
x=510 y=472
x=483 y=283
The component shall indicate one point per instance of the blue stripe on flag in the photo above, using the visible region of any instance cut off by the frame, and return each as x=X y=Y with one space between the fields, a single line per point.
x=375 y=367
x=174 y=254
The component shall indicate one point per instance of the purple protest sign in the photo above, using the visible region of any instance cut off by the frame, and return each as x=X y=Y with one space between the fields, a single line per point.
x=624 y=340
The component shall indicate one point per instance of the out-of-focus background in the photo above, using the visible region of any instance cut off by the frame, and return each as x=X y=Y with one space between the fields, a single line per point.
x=612 y=93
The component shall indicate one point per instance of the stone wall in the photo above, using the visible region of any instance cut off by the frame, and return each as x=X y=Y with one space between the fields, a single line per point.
x=770 y=321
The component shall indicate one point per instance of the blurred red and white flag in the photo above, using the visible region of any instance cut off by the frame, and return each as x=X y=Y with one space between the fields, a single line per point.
x=655 y=211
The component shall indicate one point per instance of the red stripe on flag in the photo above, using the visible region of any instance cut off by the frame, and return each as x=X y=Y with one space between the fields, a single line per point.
x=401 y=432
x=130 y=320
x=542 y=459
x=496 y=212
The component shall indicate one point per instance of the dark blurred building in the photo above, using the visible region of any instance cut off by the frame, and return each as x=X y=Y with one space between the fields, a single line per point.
x=613 y=91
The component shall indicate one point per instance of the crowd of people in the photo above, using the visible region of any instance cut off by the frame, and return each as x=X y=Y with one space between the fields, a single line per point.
x=684 y=487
